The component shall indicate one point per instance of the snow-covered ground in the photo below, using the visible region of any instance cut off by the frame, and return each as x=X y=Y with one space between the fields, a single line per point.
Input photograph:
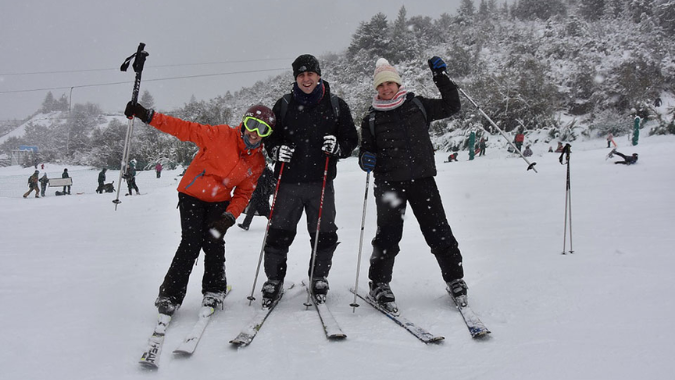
x=78 y=279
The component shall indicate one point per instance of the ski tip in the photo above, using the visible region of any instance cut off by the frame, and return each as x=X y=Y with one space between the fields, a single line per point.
x=182 y=354
x=436 y=339
x=238 y=343
x=148 y=365
x=482 y=334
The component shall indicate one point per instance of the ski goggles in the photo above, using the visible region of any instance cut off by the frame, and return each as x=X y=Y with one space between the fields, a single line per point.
x=258 y=126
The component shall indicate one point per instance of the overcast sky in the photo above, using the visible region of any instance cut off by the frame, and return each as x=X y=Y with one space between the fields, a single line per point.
x=49 y=45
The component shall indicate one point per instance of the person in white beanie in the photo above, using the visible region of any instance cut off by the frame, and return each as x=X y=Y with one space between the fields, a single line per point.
x=396 y=147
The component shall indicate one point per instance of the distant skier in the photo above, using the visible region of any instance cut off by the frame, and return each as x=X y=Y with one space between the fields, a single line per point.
x=627 y=160
x=452 y=157
x=520 y=138
x=101 y=181
x=400 y=154
x=33 y=185
x=44 y=181
x=130 y=177
x=65 y=175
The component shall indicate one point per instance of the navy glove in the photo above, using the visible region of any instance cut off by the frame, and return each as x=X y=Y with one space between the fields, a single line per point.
x=367 y=161
x=139 y=111
x=220 y=226
x=437 y=65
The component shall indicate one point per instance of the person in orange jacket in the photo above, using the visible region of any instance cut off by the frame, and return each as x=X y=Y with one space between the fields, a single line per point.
x=213 y=192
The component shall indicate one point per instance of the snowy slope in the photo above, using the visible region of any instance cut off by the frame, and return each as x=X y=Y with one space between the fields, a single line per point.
x=78 y=279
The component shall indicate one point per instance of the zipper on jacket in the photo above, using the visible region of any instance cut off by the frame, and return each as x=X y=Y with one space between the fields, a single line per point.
x=195 y=178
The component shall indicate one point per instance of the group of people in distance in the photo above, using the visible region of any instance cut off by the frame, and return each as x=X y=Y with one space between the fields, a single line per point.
x=305 y=133
x=43 y=182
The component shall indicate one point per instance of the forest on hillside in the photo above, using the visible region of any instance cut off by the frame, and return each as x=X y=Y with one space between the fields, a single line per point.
x=535 y=64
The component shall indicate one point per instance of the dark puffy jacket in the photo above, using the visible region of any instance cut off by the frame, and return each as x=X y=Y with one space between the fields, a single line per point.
x=304 y=128
x=260 y=200
x=401 y=142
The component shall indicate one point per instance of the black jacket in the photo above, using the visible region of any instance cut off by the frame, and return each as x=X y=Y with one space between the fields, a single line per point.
x=401 y=142
x=264 y=188
x=304 y=128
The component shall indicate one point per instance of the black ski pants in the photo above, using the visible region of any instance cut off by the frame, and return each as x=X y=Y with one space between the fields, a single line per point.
x=391 y=199
x=131 y=184
x=291 y=200
x=195 y=217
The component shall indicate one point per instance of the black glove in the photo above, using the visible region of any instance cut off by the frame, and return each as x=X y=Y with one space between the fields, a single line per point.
x=330 y=145
x=367 y=161
x=437 y=65
x=139 y=111
x=220 y=226
x=283 y=153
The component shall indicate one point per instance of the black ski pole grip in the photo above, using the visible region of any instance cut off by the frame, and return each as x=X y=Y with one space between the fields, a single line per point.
x=141 y=54
x=139 y=62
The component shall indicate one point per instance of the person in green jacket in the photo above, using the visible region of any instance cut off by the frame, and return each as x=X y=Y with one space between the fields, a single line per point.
x=101 y=181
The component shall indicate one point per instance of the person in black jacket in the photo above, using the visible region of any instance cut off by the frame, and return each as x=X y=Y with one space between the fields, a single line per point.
x=399 y=151
x=260 y=200
x=130 y=177
x=101 y=181
x=65 y=175
x=627 y=160
x=314 y=130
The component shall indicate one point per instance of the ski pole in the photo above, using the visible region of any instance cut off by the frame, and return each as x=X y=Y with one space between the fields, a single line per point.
x=529 y=165
x=354 y=304
x=568 y=196
x=316 y=236
x=139 y=61
x=251 y=298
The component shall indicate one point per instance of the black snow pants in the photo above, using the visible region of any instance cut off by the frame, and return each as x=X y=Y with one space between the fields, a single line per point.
x=391 y=198
x=291 y=200
x=196 y=216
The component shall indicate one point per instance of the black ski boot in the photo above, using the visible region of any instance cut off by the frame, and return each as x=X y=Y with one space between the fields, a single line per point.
x=381 y=293
x=320 y=289
x=213 y=300
x=272 y=291
x=166 y=305
x=457 y=290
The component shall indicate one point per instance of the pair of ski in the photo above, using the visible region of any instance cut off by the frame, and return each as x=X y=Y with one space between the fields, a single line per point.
x=153 y=351
x=476 y=327
x=330 y=325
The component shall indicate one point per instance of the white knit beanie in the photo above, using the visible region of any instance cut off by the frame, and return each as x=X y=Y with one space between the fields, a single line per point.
x=384 y=72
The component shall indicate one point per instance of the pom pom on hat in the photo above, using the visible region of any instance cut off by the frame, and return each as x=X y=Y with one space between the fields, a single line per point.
x=385 y=72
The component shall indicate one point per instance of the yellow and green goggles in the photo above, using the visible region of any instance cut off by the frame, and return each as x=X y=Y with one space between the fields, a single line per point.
x=258 y=126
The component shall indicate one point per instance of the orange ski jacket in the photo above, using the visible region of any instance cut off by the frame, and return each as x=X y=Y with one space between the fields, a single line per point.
x=223 y=169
